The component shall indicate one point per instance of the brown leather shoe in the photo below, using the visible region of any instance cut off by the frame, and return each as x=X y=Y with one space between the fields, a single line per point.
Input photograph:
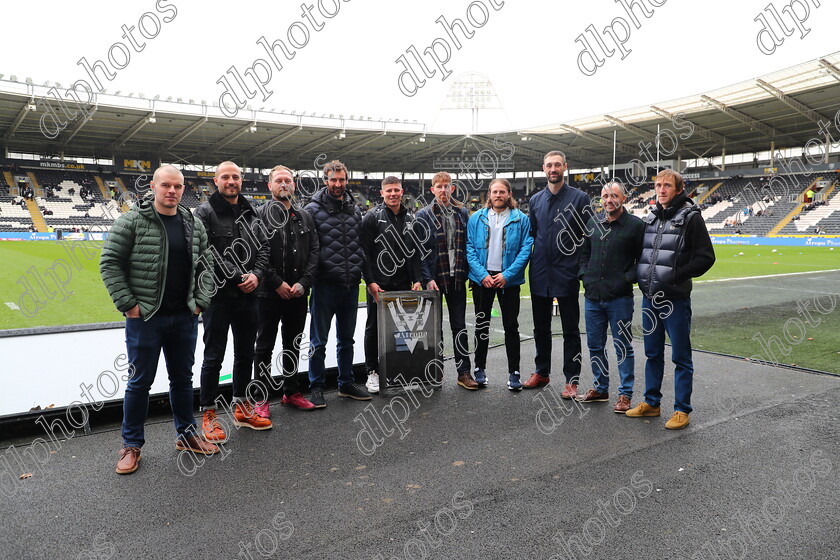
x=129 y=460
x=570 y=391
x=196 y=445
x=211 y=430
x=593 y=396
x=535 y=381
x=622 y=405
x=466 y=381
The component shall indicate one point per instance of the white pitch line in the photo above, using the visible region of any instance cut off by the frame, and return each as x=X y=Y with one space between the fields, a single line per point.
x=13 y=306
x=766 y=276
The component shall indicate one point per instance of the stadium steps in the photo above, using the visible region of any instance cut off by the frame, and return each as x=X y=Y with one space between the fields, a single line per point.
x=796 y=210
x=708 y=193
x=827 y=192
x=124 y=191
x=36 y=186
x=106 y=194
x=786 y=220
x=37 y=217
x=10 y=180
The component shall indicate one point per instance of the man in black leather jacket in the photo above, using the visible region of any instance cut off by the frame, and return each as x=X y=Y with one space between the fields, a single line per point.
x=282 y=294
x=240 y=258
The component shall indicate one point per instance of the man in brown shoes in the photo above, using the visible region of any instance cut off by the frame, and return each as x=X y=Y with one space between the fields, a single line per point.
x=608 y=261
x=148 y=265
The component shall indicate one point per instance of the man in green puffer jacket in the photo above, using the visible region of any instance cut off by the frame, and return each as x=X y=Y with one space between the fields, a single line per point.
x=151 y=265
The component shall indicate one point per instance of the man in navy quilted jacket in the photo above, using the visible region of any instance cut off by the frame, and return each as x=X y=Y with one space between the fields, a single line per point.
x=335 y=292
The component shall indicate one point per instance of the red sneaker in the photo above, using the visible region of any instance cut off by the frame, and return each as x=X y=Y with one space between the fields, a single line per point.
x=297 y=401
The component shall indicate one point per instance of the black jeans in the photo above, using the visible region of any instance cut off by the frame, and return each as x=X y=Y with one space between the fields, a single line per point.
x=570 y=320
x=509 y=302
x=291 y=314
x=371 y=328
x=456 y=303
x=239 y=314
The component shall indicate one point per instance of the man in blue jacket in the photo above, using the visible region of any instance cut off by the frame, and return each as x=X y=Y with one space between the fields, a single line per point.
x=558 y=216
x=498 y=248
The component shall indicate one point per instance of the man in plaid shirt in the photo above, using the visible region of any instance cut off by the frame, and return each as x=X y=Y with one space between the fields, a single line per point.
x=608 y=261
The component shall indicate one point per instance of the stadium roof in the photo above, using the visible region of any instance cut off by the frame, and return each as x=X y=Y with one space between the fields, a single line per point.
x=783 y=107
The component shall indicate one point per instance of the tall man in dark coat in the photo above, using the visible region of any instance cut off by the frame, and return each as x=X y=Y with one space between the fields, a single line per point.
x=558 y=215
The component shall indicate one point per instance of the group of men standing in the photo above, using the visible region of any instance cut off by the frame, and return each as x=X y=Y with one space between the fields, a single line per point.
x=249 y=271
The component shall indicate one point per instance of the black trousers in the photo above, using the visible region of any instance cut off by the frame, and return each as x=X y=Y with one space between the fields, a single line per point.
x=239 y=315
x=570 y=321
x=290 y=315
x=456 y=303
x=509 y=302
x=371 y=327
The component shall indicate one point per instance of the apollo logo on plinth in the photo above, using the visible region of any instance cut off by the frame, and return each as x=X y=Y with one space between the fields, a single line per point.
x=409 y=324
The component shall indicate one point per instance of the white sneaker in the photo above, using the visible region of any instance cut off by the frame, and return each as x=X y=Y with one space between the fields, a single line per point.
x=372 y=384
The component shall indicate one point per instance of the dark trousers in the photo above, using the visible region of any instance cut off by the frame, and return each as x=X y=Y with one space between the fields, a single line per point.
x=456 y=303
x=328 y=301
x=570 y=321
x=509 y=302
x=371 y=329
x=239 y=315
x=175 y=334
x=271 y=313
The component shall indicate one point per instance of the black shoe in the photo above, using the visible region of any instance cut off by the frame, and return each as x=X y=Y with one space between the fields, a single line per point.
x=354 y=392
x=317 y=398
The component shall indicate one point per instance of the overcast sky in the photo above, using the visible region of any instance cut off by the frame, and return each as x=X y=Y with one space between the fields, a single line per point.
x=527 y=49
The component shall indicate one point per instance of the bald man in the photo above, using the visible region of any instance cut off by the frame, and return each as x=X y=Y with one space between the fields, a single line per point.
x=149 y=266
x=240 y=250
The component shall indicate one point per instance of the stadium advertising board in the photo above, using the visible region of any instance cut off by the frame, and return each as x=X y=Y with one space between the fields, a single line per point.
x=61 y=165
x=800 y=241
x=143 y=166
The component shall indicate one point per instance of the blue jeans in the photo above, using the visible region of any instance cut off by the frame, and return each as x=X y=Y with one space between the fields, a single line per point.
x=325 y=302
x=618 y=314
x=175 y=334
x=674 y=317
